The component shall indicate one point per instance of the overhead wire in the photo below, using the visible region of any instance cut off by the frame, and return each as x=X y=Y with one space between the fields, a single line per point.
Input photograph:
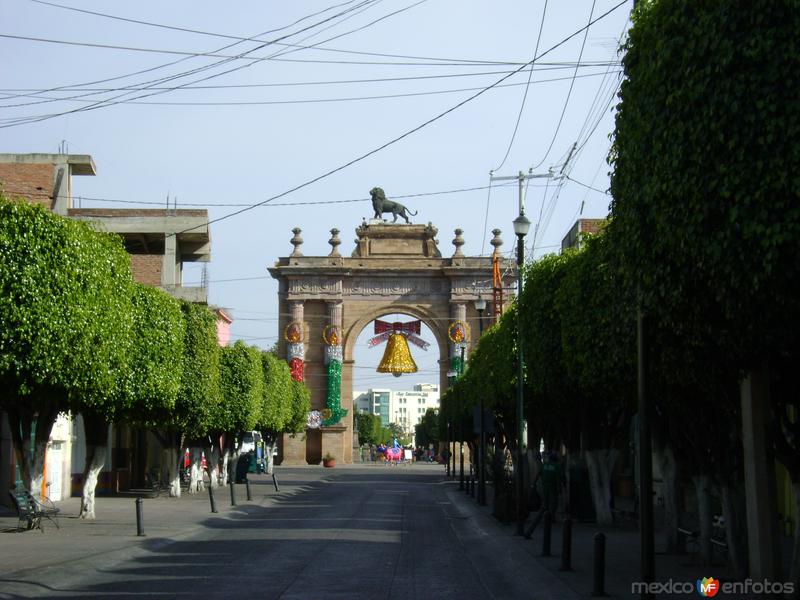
x=569 y=93
x=295 y=101
x=233 y=37
x=116 y=99
x=413 y=130
x=524 y=96
x=169 y=64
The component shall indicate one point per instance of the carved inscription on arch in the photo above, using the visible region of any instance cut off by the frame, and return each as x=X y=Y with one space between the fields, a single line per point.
x=369 y=286
x=311 y=287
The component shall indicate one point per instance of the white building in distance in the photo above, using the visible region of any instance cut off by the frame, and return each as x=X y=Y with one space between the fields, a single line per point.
x=404 y=407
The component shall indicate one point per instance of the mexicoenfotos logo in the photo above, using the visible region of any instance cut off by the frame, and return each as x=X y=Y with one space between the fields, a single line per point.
x=708 y=587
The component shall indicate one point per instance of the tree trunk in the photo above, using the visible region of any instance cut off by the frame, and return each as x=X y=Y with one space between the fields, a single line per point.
x=226 y=454
x=171 y=455
x=600 y=464
x=95 y=460
x=702 y=486
x=30 y=449
x=269 y=458
x=671 y=493
x=95 y=431
x=196 y=472
x=212 y=464
x=735 y=533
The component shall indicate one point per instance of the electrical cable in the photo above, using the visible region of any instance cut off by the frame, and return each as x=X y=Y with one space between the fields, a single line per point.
x=415 y=129
x=524 y=96
x=295 y=101
x=113 y=101
x=141 y=72
x=241 y=39
x=569 y=93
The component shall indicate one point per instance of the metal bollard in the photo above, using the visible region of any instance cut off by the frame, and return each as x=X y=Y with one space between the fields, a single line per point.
x=566 y=546
x=472 y=485
x=233 y=493
x=275 y=483
x=211 y=498
x=139 y=518
x=598 y=588
x=546 y=532
x=247 y=487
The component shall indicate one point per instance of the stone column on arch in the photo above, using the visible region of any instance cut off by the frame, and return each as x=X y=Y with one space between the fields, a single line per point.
x=458 y=314
x=337 y=434
x=294 y=446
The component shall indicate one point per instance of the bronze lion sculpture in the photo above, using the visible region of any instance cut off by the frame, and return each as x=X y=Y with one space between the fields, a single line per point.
x=381 y=205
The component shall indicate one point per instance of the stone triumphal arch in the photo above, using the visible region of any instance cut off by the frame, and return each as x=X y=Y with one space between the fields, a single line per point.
x=325 y=302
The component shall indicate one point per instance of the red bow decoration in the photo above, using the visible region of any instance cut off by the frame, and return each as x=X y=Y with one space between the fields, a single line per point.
x=397 y=327
x=410 y=330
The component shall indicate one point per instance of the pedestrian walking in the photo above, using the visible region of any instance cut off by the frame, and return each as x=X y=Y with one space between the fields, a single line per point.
x=552 y=478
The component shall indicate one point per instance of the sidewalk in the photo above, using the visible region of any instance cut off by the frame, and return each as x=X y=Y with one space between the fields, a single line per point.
x=113 y=532
x=622 y=555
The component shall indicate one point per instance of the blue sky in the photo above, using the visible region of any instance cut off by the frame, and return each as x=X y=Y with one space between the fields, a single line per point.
x=232 y=123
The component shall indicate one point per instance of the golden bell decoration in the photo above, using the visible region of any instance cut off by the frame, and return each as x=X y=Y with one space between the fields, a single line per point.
x=397 y=357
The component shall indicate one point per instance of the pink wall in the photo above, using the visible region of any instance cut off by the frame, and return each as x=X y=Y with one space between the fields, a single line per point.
x=223 y=327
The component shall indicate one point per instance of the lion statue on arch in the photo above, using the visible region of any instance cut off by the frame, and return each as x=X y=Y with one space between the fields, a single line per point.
x=381 y=205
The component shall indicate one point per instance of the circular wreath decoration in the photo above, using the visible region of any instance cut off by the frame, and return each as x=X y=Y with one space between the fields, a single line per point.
x=458 y=332
x=331 y=335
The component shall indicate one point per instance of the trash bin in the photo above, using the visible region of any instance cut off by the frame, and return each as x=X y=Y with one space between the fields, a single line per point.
x=243 y=465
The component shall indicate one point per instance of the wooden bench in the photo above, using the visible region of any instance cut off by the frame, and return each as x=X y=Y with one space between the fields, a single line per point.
x=31 y=511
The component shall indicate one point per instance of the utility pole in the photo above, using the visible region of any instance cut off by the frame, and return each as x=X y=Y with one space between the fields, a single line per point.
x=522 y=177
x=521 y=225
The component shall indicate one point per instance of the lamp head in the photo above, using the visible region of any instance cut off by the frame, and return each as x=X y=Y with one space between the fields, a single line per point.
x=521 y=226
x=480 y=304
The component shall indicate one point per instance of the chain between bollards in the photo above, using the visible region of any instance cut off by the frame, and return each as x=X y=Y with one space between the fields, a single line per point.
x=139 y=518
x=247 y=487
x=546 y=532
x=566 y=546
x=598 y=588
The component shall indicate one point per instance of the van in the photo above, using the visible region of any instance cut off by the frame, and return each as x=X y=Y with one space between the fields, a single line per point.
x=249 y=441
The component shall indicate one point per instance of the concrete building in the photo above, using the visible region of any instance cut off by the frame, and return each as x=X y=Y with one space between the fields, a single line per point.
x=573 y=237
x=404 y=407
x=159 y=242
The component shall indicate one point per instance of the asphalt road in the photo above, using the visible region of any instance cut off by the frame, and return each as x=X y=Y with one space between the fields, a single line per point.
x=350 y=532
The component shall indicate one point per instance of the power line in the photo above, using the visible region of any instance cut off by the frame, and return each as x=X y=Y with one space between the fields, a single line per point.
x=415 y=129
x=169 y=64
x=115 y=100
x=240 y=39
x=304 y=101
x=524 y=97
x=569 y=93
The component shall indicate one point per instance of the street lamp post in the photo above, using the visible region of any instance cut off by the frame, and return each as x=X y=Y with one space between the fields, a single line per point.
x=461 y=431
x=521 y=226
x=480 y=306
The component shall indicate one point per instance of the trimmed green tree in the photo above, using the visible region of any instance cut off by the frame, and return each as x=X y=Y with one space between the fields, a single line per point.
x=65 y=323
x=706 y=209
x=276 y=408
x=242 y=385
x=147 y=388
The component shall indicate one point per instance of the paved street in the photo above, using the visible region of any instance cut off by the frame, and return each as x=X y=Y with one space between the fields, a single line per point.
x=350 y=532
x=370 y=532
